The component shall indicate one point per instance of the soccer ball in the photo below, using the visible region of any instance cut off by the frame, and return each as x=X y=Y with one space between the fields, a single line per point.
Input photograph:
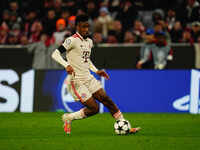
x=122 y=127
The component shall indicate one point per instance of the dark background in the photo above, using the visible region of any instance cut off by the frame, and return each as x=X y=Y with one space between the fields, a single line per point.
x=111 y=57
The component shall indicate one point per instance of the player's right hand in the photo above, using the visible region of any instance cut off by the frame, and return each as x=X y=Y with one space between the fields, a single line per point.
x=69 y=69
x=139 y=65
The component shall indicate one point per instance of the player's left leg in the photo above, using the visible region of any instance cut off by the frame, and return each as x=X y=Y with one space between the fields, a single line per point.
x=91 y=109
x=102 y=97
x=79 y=91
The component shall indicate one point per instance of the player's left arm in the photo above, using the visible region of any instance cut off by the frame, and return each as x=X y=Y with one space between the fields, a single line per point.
x=103 y=74
x=98 y=72
x=94 y=69
x=92 y=66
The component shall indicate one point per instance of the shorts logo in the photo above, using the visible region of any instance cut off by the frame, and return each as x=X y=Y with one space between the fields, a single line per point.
x=83 y=95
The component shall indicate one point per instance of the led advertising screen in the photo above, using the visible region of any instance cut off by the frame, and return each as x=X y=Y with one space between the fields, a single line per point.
x=148 y=91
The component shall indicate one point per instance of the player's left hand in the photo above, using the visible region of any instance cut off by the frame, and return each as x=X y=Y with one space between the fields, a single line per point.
x=103 y=74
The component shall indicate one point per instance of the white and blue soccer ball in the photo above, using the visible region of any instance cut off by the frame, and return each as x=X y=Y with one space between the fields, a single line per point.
x=122 y=127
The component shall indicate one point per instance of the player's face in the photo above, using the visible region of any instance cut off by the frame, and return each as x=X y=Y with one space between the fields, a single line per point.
x=83 y=28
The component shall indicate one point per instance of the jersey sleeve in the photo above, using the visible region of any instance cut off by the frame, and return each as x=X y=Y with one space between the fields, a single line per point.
x=68 y=43
x=92 y=66
x=91 y=43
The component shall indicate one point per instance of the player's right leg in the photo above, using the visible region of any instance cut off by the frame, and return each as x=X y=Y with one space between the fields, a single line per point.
x=91 y=109
x=102 y=97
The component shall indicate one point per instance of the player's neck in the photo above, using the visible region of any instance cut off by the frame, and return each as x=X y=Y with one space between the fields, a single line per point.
x=82 y=37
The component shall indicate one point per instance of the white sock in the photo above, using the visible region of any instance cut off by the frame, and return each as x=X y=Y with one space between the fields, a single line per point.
x=118 y=115
x=74 y=116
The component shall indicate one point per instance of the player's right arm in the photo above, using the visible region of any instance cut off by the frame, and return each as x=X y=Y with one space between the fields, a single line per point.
x=56 y=55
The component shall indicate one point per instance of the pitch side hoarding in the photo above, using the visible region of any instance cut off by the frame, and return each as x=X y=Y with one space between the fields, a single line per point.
x=149 y=91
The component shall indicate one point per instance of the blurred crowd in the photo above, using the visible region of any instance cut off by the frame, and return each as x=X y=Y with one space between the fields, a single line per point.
x=111 y=21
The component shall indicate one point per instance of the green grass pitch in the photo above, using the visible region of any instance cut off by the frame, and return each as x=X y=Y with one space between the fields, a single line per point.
x=43 y=131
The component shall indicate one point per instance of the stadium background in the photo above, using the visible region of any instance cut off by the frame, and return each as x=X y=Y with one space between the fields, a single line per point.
x=165 y=103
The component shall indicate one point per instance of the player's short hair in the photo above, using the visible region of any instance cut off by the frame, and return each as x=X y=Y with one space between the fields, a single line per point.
x=81 y=18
